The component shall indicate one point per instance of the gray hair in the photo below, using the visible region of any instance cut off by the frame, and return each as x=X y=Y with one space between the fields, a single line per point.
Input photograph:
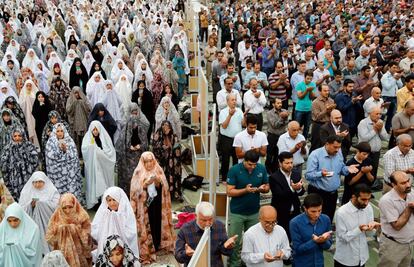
x=230 y=95
x=204 y=208
x=403 y=137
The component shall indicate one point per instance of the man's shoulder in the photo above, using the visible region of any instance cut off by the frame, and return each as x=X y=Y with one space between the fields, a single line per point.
x=188 y=227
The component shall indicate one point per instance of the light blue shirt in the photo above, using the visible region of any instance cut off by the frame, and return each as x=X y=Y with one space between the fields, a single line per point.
x=390 y=85
x=236 y=84
x=235 y=125
x=259 y=77
x=318 y=160
x=296 y=78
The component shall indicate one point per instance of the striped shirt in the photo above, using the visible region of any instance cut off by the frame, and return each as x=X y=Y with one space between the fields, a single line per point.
x=278 y=92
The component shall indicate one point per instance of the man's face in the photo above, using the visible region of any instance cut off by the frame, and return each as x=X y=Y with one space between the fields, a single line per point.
x=293 y=130
x=250 y=166
x=403 y=185
x=253 y=85
x=333 y=148
x=308 y=79
x=375 y=115
x=230 y=69
x=268 y=222
x=349 y=88
x=279 y=68
x=286 y=165
x=325 y=91
x=366 y=73
x=251 y=128
x=232 y=101
x=361 y=202
x=277 y=104
x=256 y=68
x=204 y=221
x=410 y=84
x=405 y=146
x=313 y=213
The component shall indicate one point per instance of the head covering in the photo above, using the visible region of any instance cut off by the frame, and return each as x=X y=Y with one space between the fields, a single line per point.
x=120 y=222
x=78 y=111
x=93 y=70
x=30 y=60
x=47 y=193
x=26 y=236
x=88 y=60
x=54 y=258
x=117 y=71
x=130 y=259
x=16 y=109
x=173 y=117
x=9 y=92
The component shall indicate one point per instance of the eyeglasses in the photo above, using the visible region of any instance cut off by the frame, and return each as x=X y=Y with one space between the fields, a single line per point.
x=272 y=223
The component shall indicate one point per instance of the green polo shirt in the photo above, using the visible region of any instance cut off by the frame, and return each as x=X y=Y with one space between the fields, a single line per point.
x=238 y=176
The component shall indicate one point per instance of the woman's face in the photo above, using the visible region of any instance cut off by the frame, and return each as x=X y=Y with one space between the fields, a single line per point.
x=120 y=65
x=60 y=133
x=141 y=86
x=97 y=78
x=117 y=255
x=38 y=185
x=17 y=137
x=41 y=98
x=6 y=117
x=123 y=78
x=97 y=67
x=78 y=64
x=101 y=113
x=149 y=164
x=54 y=120
x=68 y=208
x=29 y=86
x=13 y=222
x=56 y=69
x=112 y=203
x=95 y=132
x=166 y=128
x=4 y=90
x=9 y=105
x=166 y=105
x=167 y=90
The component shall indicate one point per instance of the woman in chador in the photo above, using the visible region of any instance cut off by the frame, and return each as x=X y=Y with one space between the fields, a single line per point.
x=151 y=203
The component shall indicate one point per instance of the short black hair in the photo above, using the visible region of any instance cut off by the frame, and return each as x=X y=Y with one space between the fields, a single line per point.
x=251 y=156
x=309 y=73
x=251 y=119
x=333 y=138
x=285 y=155
x=363 y=147
x=392 y=63
x=312 y=200
x=361 y=188
x=364 y=68
x=337 y=73
x=409 y=78
x=348 y=81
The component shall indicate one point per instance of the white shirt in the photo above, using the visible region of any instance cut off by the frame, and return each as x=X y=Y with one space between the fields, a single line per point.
x=222 y=101
x=256 y=241
x=254 y=104
x=319 y=74
x=235 y=125
x=244 y=53
x=286 y=143
x=247 y=141
x=351 y=243
x=371 y=103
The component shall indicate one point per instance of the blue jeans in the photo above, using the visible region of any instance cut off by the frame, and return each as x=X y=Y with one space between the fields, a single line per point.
x=304 y=119
x=391 y=110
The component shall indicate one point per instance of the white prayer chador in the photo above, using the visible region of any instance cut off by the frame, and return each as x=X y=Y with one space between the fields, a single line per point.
x=26 y=101
x=107 y=64
x=6 y=91
x=30 y=60
x=99 y=163
x=124 y=90
x=88 y=60
x=25 y=239
x=13 y=47
x=120 y=68
x=54 y=58
x=121 y=222
x=67 y=64
x=9 y=56
x=47 y=199
x=95 y=91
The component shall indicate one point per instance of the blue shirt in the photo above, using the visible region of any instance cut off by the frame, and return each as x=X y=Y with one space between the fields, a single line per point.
x=296 y=78
x=238 y=176
x=320 y=159
x=304 y=104
x=267 y=63
x=306 y=252
x=344 y=104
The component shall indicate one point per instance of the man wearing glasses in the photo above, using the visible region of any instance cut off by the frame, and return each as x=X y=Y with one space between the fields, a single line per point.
x=265 y=243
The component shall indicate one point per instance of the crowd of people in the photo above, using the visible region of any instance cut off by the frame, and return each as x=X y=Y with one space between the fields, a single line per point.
x=307 y=93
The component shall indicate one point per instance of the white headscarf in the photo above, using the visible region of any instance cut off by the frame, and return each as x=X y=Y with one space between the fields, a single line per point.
x=12 y=57
x=106 y=66
x=173 y=117
x=95 y=92
x=14 y=49
x=117 y=72
x=113 y=103
x=54 y=58
x=122 y=222
x=124 y=89
x=68 y=62
x=9 y=92
x=88 y=61
x=30 y=61
x=46 y=194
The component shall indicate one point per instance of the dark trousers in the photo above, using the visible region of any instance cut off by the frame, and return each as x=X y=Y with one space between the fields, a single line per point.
x=272 y=153
x=284 y=220
x=329 y=200
x=337 y=264
x=203 y=32
x=391 y=110
x=259 y=120
x=304 y=119
x=315 y=136
x=227 y=152
x=293 y=111
x=375 y=157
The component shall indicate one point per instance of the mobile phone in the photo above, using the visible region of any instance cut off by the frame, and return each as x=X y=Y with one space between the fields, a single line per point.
x=329 y=174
